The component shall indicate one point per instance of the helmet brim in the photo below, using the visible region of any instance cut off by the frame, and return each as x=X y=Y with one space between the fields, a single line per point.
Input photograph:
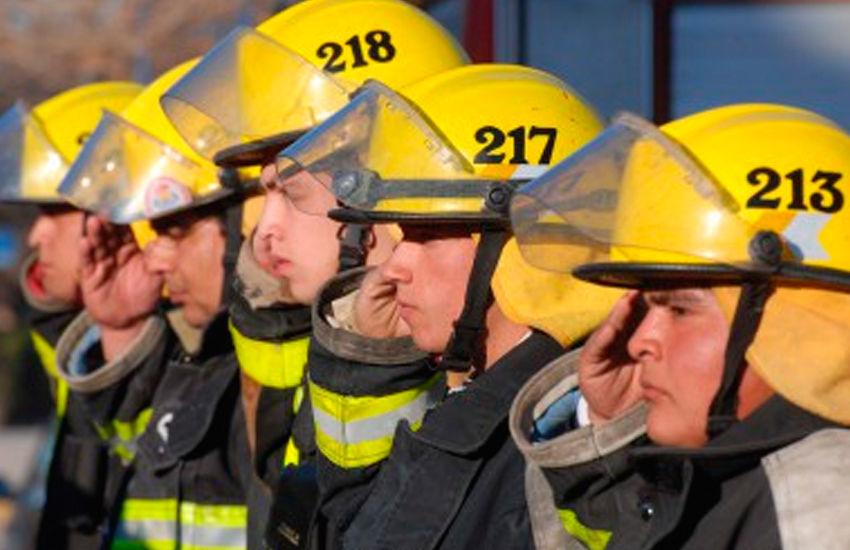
x=638 y=275
x=258 y=152
x=370 y=217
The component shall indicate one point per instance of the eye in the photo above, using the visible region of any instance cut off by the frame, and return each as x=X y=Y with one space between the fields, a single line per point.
x=419 y=234
x=678 y=311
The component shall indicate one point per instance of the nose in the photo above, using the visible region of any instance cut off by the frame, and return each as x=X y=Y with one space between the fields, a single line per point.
x=39 y=231
x=397 y=268
x=272 y=217
x=645 y=342
x=161 y=255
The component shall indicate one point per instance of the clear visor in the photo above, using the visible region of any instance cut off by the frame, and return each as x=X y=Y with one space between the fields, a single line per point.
x=125 y=174
x=31 y=169
x=249 y=87
x=379 y=154
x=631 y=194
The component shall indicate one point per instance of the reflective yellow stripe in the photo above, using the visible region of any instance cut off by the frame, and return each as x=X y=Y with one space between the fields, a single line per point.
x=297 y=399
x=353 y=432
x=153 y=524
x=122 y=436
x=47 y=355
x=276 y=365
x=357 y=455
x=226 y=515
x=45 y=352
x=291 y=456
x=347 y=408
x=61 y=398
x=595 y=539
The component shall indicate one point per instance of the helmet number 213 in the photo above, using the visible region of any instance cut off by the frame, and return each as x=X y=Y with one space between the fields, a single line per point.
x=828 y=198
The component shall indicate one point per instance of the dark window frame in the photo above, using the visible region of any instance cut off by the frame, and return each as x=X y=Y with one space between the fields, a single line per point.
x=662 y=49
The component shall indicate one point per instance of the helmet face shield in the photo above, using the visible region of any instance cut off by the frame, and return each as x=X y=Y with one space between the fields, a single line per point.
x=379 y=154
x=631 y=194
x=31 y=168
x=307 y=193
x=248 y=87
x=125 y=174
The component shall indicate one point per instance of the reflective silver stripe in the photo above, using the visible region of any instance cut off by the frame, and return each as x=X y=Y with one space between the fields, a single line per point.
x=373 y=427
x=147 y=530
x=529 y=171
x=214 y=537
x=193 y=536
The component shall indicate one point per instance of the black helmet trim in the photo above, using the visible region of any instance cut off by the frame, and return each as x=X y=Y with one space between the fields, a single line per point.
x=350 y=215
x=258 y=152
x=363 y=189
x=641 y=275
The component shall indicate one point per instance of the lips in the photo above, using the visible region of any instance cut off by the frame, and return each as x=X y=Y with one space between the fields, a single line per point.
x=405 y=310
x=651 y=392
x=35 y=278
x=177 y=296
x=279 y=267
x=273 y=263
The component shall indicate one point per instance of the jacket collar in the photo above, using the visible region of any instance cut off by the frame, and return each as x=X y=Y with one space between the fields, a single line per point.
x=776 y=424
x=200 y=344
x=465 y=421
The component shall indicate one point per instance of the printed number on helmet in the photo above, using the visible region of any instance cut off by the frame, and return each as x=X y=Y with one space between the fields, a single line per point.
x=374 y=46
x=494 y=151
x=827 y=198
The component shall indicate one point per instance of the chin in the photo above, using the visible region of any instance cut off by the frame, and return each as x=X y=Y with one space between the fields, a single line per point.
x=303 y=293
x=58 y=293
x=195 y=318
x=429 y=343
x=674 y=436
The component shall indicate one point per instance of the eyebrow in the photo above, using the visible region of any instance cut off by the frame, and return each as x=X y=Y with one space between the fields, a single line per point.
x=665 y=297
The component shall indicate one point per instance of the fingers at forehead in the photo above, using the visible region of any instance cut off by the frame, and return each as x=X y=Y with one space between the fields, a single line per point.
x=618 y=326
x=160 y=253
x=628 y=309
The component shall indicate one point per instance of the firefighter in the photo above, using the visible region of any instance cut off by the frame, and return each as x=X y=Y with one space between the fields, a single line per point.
x=164 y=392
x=716 y=405
x=38 y=146
x=249 y=97
x=434 y=165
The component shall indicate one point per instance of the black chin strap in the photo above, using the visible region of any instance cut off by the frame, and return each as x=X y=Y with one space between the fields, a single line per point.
x=230 y=179
x=354 y=241
x=465 y=349
x=766 y=249
x=748 y=314
x=232 y=244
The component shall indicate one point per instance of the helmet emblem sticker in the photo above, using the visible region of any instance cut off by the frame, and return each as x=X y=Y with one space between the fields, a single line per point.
x=164 y=195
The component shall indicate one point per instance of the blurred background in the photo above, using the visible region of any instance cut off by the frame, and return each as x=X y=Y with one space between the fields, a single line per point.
x=660 y=58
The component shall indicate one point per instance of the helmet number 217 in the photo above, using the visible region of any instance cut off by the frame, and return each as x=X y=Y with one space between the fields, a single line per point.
x=494 y=138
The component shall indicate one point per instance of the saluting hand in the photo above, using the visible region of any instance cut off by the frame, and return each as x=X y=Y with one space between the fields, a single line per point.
x=376 y=312
x=118 y=288
x=609 y=377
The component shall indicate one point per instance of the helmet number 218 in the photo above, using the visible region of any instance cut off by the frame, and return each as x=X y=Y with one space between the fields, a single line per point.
x=374 y=46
